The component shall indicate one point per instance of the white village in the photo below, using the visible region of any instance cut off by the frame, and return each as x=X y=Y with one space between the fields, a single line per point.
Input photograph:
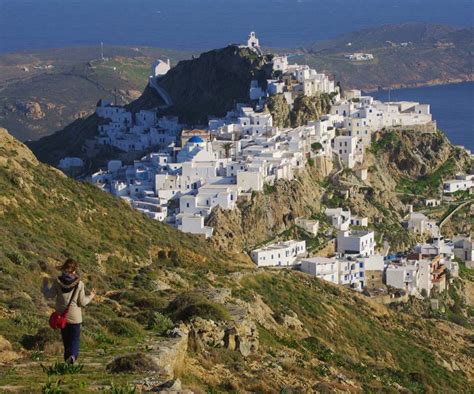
x=192 y=171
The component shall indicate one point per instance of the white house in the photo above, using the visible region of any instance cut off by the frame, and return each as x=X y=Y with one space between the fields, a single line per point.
x=359 y=221
x=404 y=277
x=463 y=248
x=336 y=270
x=160 y=68
x=311 y=226
x=349 y=149
x=279 y=254
x=419 y=223
x=194 y=224
x=461 y=183
x=356 y=242
x=280 y=63
x=340 y=218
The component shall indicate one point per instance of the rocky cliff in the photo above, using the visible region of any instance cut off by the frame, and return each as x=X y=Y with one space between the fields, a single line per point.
x=304 y=109
x=404 y=167
x=213 y=83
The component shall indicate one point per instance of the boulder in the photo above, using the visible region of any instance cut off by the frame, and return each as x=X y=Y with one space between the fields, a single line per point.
x=169 y=354
x=7 y=354
x=5 y=345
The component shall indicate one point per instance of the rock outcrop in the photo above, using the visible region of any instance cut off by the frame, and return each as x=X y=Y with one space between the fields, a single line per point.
x=212 y=83
x=7 y=355
x=268 y=213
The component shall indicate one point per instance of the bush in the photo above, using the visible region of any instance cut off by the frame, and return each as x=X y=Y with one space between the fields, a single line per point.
x=43 y=337
x=17 y=258
x=321 y=351
x=136 y=362
x=124 y=389
x=189 y=305
x=316 y=146
x=125 y=328
x=162 y=255
x=62 y=368
x=160 y=323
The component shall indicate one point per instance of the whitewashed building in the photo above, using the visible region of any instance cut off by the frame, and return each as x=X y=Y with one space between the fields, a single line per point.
x=279 y=254
x=356 y=242
x=339 y=271
x=419 y=223
x=461 y=183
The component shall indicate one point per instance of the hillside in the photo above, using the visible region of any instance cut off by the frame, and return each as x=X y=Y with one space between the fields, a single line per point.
x=431 y=54
x=43 y=91
x=253 y=330
x=404 y=167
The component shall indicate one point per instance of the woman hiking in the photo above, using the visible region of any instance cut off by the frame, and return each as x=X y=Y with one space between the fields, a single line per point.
x=69 y=290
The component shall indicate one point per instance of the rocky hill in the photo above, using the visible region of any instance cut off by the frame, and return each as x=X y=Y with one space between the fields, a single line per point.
x=233 y=328
x=210 y=84
x=408 y=54
x=403 y=168
x=213 y=83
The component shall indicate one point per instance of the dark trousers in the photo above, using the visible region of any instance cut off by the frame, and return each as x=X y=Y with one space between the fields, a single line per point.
x=71 y=335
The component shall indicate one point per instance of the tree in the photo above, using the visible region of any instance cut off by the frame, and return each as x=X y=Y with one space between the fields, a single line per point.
x=227 y=147
x=316 y=146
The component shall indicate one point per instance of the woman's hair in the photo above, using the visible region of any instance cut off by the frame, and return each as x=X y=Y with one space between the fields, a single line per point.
x=70 y=265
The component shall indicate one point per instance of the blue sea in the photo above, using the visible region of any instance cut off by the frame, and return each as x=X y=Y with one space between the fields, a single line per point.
x=205 y=24
x=452 y=107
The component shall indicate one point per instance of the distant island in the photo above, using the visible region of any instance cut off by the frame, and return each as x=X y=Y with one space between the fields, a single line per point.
x=395 y=56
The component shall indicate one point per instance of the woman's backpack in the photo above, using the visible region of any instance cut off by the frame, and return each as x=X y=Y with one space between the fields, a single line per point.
x=59 y=320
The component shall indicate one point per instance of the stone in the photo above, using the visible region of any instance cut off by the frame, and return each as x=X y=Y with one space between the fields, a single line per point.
x=169 y=355
x=5 y=345
x=7 y=354
x=171 y=386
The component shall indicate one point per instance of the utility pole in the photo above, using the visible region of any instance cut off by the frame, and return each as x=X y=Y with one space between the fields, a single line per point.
x=102 y=51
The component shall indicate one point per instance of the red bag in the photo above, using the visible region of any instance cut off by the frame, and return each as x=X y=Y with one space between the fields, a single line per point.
x=59 y=320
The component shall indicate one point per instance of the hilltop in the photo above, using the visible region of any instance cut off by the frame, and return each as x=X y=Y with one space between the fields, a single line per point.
x=407 y=54
x=244 y=329
x=43 y=91
x=210 y=84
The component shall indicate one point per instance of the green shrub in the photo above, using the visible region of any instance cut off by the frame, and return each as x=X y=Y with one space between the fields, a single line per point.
x=17 y=258
x=39 y=340
x=62 y=368
x=52 y=387
x=189 y=305
x=123 y=389
x=135 y=362
x=125 y=328
x=160 y=323
x=316 y=146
